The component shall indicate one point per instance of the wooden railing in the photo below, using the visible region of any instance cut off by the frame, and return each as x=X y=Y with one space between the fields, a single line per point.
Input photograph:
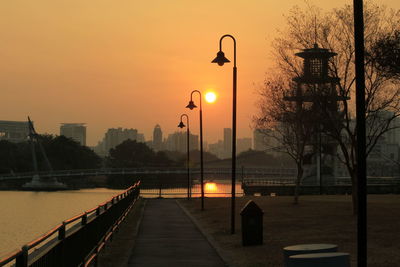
x=78 y=240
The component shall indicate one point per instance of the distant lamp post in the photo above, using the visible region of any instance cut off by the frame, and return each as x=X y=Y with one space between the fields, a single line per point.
x=191 y=106
x=182 y=125
x=221 y=60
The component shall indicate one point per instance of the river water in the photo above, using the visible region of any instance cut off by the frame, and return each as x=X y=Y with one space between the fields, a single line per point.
x=25 y=215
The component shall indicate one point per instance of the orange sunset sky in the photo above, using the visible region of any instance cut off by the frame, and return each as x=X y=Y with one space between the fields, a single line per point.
x=133 y=64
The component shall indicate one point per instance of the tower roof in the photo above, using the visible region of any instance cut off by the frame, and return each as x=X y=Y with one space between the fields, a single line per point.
x=315 y=52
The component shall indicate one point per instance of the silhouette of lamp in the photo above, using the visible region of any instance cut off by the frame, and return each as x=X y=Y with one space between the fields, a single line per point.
x=182 y=125
x=192 y=106
x=221 y=60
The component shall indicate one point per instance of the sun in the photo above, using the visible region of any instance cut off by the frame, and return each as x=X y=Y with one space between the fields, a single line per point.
x=211 y=97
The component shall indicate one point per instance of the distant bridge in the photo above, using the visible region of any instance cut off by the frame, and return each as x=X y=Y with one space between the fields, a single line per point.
x=265 y=172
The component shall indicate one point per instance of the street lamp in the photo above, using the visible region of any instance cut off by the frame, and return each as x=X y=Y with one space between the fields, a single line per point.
x=181 y=125
x=191 y=106
x=221 y=60
x=361 y=136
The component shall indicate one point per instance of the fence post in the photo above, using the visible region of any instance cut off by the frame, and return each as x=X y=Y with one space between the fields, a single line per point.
x=159 y=191
x=22 y=259
x=242 y=174
x=61 y=231
x=61 y=237
x=84 y=219
x=98 y=211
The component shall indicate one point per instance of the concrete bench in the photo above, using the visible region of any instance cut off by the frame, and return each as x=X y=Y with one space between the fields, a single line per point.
x=329 y=259
x=307 y=249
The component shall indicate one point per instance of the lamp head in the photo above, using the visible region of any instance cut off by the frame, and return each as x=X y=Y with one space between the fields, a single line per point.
x=181 y=125
x=191 y=105
x=220 y=59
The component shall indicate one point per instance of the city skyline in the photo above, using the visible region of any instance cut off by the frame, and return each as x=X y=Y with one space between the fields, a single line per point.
x=122 y=65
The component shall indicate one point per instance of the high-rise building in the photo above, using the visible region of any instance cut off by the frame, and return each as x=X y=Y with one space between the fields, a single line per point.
x=227 y=152
x=114 y=137
x=194 y=142
x=217 y=149
x=14 y=131
x=178 y=140
x=75 y=131
x=157 y=138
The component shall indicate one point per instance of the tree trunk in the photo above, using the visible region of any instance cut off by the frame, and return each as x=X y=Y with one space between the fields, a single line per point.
x=354 y=190
x=298 y=181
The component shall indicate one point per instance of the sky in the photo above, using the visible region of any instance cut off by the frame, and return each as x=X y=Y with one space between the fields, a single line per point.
x=133 y=64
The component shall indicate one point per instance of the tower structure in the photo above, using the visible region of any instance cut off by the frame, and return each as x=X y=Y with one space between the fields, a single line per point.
x=318 y=91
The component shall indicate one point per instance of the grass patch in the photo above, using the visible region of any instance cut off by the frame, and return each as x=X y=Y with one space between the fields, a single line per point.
x=317 y=219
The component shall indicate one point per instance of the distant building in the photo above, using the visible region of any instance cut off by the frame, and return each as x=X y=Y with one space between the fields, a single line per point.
x=157 y=138
x=178 y=140
x=14 y=131
x=217 y=149
x=194 y=142
x=243 y=144
x=227 y=152
x=259 y=140
x=383 y=160
x=75 y=131
x=140 y=138
x=114 y=137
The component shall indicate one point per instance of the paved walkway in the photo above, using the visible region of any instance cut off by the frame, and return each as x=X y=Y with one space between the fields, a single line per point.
x=167 y=237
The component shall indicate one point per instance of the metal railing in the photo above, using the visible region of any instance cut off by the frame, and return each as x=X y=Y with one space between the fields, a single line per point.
x=370 y=180
x=269 y=181
x=335 y=181
x=149 y=170
x=78 y=240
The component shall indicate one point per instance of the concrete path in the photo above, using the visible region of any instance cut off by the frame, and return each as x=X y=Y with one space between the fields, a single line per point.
x=167 y=237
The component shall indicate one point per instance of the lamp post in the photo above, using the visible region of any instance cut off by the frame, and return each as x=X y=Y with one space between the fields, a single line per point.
x=221 y=60
x=181 y=125
x=361 y=136
x=191 y=106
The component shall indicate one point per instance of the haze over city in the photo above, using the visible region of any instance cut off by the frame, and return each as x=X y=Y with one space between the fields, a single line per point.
x=133 y=64
x=292 y=155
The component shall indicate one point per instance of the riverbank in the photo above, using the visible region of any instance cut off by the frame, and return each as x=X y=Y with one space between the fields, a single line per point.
x=317 y=219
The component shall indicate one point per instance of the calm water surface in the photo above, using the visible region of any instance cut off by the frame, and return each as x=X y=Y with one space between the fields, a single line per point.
x=25 y=216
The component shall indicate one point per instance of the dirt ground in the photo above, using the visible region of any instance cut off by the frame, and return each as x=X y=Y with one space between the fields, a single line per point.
x=317 y=219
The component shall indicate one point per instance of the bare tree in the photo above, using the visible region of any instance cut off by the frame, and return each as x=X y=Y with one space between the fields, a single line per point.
x=288 y=124
x=333 y=30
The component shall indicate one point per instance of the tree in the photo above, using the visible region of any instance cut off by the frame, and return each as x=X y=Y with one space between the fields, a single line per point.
x=65 y=153
x=386 y=54
x=334 y=30
x=289 y=125
x=8 y=159
x=132 y=154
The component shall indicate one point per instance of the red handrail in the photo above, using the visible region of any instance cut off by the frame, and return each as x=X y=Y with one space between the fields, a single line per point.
x=42 y=238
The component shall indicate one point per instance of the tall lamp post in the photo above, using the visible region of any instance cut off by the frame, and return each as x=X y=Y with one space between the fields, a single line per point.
x=361 y=136
x=191 y=106
x=221 y=60
x=181 y=125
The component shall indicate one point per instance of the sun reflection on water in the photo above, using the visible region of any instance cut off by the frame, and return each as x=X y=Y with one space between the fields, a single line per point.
x=211 y=187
